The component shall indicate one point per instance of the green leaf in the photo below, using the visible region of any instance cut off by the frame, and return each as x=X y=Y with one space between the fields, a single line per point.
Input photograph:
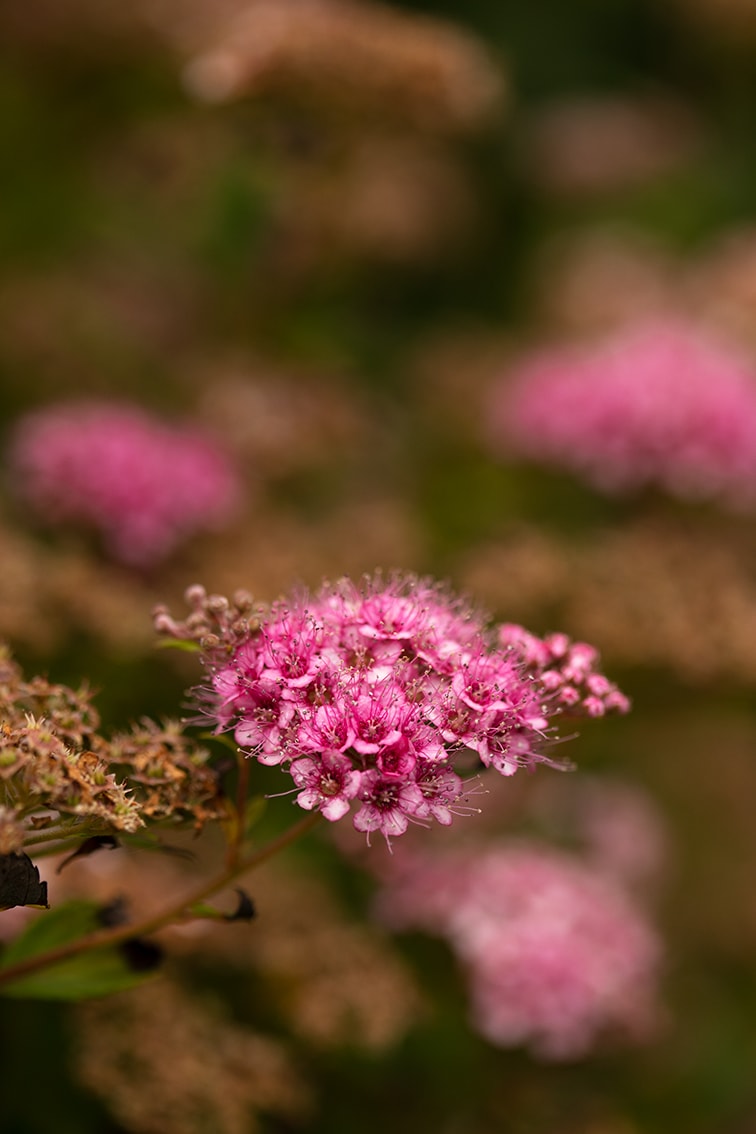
x=64 y=923
x=255 y=809
x=186 y=644
x=147 y=841
x=221 y=738
x=97 y=972
x=204 y=911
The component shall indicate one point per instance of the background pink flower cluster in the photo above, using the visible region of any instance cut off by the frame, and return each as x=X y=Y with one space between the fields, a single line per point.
x=144 y=485
x=658 y=403
x=556 y=952
x=372 y=695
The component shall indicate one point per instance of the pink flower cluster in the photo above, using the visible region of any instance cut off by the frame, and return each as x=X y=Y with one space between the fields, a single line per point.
x=374 y=695
x=566 y=670
x=659 y=403
x=142 y=484
x=556 y=953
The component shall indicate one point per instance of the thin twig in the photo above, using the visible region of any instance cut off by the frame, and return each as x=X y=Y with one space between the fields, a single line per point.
x=103 y=938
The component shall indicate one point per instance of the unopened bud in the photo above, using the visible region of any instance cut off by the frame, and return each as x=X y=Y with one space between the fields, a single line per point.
x=163 y=623
x=195 y=595
x=243 y=601
x=217 y=604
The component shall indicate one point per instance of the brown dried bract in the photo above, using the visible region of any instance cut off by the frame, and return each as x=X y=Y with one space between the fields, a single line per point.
x=169 y=774
x=60 y=779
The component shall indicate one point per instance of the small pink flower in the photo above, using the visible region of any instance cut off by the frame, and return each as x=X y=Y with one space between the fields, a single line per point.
x=397 y=761
x=330 y=727
x=486 y=682
x=380 y=717
x=388 y=615
x=291 y=649
x=265 y=720
x=144 y=485
x=329 y=782
x=388 y=806
x=442 y=791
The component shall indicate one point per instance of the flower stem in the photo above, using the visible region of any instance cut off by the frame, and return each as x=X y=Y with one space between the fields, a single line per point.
x=104 y=938
x=235 y=845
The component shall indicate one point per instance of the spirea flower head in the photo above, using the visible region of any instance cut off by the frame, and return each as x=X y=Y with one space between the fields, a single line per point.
x=376 y=698
x=142 y=484
x=657 y=404
x=556 y=952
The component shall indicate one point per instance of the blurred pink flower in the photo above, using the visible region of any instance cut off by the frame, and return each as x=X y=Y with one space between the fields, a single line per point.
x=622 y=829
x=657 y=403
x=144 y=485
x=555 y=951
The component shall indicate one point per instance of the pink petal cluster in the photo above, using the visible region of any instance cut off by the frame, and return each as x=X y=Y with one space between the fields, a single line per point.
x=142 y=484
x=374 y=696
x=659 y=403
x=556 y=953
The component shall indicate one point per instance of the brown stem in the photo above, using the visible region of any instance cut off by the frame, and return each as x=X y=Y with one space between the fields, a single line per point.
x=242 y=784
x=103 y=938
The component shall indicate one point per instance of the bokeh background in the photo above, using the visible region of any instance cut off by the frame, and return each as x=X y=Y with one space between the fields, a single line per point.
x=322 y=230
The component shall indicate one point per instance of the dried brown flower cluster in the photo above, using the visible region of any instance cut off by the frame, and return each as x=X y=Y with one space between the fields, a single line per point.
x=278 y=420
x=47 y=595
x=394 y=192
x=720 y=284
x=452 y=372
x=652 y=593
x=165 y=1062
x=49 y=769
x=315 y=961
x=596 y=279
x=82 y=27
x=590 y=146
x=384 y=196
x=97 y=314
x=603 y=277
x=350 y=55
x=729 y=23
x=350 y=538
x=168 y=774
x=61 y=780
x=338 y=982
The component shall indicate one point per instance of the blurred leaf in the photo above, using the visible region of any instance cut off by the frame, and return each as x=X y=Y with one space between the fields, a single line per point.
x=71 y=920
x=150 y=842
x=95 y=973
x=99 y=973
x=89 y=846
x=256 y=808
x=205 y=911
